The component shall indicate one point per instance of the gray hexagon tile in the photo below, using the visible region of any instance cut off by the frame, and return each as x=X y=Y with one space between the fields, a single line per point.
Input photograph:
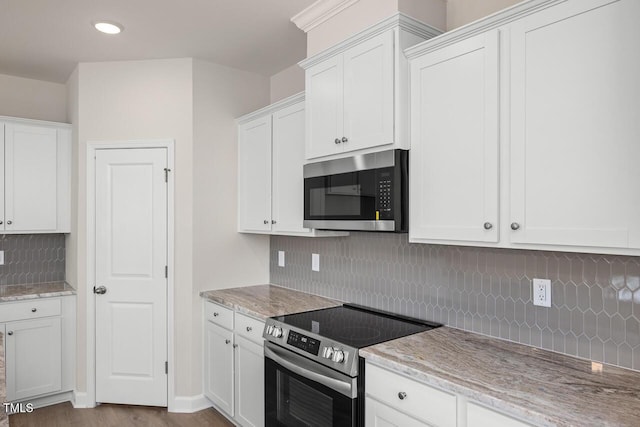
x=32 y=258
x=595 y=310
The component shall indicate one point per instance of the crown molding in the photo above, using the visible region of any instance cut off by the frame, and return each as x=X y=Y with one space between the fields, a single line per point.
x=319 y=12
x=271 y=108
x=397 y=20
x=35 y=122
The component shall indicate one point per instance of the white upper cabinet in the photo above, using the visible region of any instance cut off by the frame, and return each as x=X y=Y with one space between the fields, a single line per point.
x=454 y=156
x=525 y=130
x=35 y=167
x=270 y=180
x=356 y=91
x=575 y=138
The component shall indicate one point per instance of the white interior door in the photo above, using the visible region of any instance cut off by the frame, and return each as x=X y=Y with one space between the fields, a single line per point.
x=131 y=260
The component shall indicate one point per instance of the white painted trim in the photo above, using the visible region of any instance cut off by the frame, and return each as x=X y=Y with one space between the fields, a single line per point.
x=79 y=400
x=319 y=12
x=92 y=147
x=397 y=20
x=190 y=404
x=35 y=122
x=271 y=108
x=54 y=399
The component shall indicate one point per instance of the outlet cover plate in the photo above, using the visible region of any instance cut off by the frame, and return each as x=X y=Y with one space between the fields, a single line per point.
x=315 y=262
x=280 y=258
x=542 y=292
x=1 y=257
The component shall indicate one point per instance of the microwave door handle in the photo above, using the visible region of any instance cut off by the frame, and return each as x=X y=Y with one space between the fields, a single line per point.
x=307 y=369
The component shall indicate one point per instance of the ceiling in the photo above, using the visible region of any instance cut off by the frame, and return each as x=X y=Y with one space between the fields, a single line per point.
x=45 y=39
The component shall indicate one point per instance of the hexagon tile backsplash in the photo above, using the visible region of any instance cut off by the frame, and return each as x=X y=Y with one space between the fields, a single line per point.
x=32 y=258
x=595 y=312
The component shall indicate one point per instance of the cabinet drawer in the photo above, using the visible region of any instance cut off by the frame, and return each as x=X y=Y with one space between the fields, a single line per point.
x=249 y=327
x=221 y=316
x=433 y=406
x=31 y=309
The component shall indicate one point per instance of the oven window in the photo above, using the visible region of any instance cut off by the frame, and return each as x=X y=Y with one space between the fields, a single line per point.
x=299 y=404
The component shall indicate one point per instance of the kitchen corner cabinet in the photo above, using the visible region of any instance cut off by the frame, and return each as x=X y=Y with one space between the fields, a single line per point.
x=234 y=364
x=270 y=179
x=535 y=144
x=356 y=91
x=39 y=347
x=35 y=176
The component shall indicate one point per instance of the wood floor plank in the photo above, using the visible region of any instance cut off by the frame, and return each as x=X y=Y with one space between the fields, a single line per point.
x=105 y=415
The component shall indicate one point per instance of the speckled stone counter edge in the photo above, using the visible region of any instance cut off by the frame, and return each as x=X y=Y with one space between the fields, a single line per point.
x=10 y=293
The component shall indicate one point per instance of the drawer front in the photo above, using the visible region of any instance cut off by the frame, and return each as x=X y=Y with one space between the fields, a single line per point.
x=221 y=316
x=479 y=416
x=418 y=400
x=249 y=328
x=32 y=309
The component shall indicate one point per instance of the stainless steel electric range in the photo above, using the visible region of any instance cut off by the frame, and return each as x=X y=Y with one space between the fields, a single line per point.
x=313 y=374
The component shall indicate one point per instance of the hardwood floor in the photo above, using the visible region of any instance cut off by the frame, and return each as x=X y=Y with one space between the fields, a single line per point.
x=64 y=415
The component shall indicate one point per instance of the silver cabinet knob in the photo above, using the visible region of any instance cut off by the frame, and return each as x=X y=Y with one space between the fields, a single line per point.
x=345 y=139
x=10 y=333
x=402 y=395
x=249 y=329
x=100 y=290
x=488 y=226
x=515 y=226
x=337 y=141
x=266 y=222
x=273 y=221
x=235 y=346
x=9 y=222
x=33 y=310
x=227 y=341
x=216 y=314
x=1 y=222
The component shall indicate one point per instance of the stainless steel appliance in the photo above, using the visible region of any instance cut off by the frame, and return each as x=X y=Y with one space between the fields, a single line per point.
x=367 y=192
x=313 y=374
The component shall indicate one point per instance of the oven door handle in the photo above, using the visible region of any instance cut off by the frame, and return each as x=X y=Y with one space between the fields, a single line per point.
x=311 y=370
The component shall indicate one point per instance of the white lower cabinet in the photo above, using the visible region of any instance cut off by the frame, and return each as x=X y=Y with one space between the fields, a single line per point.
x=39 y=347
x=234 y=364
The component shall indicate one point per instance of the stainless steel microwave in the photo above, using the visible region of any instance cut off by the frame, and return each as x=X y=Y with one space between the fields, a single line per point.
x=368 y=192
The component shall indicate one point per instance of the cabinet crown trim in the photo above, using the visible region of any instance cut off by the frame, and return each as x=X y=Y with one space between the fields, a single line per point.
x=482 y=25
x=271 y=108
x=23 y=120
x=397 y=20
x=319 y=12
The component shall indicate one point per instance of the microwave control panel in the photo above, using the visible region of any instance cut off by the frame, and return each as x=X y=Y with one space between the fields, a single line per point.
x=385 y=199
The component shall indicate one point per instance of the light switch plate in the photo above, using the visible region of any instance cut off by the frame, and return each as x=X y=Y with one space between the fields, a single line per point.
x=315 y=262
x=1 y=257
x=280 y=258
x=542 y=292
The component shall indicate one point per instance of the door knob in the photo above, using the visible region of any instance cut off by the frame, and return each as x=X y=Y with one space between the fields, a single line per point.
x=100 y=290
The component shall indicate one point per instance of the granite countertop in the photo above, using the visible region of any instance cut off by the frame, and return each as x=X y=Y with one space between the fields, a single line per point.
x=38 y=290
x=538 y=386
x=262 y=301
x=4 y=419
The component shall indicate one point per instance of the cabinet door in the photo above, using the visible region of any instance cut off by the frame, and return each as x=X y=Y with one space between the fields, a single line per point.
x=31 y=164
x=574 y=175
x=368 y=93
x=380 y=415
x=33 y=358
x=324 y=108
x=254 y=175
x=218 y=366
x=249 y=383
x=454 y=162
x=288 y=182
x=2 y=145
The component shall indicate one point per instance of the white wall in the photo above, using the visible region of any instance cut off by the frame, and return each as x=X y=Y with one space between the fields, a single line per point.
x=32 y=99
x=286 y=83
x=222 y=257
x=461 y=12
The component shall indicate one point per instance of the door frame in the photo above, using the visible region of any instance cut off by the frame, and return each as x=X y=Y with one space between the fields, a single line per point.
x=92 y=148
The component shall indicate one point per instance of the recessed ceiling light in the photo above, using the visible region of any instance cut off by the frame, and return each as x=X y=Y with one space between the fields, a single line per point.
x=108 y=27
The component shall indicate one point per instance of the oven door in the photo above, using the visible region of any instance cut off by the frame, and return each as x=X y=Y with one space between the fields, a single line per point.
x=301 y=392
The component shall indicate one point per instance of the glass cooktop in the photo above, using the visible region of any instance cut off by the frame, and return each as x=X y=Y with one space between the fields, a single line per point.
x=356 y=326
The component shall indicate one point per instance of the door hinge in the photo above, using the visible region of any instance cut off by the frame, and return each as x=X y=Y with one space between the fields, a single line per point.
x=166 y=271
x=166 y=367
x=166 y=174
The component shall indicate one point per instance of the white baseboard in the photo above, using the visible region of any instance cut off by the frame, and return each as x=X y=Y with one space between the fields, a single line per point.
x=189 y=404
x=41 y=402
x=79 y=400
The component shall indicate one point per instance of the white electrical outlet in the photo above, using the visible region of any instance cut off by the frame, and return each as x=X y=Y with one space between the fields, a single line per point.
x=542 y=292
x=315 y=262
x=280 y=258
x=1 y=257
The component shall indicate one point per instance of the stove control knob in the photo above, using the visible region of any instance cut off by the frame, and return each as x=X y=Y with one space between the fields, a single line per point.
x=277 y=332
x=327 y=352
x=269 y=329
x=338 y=356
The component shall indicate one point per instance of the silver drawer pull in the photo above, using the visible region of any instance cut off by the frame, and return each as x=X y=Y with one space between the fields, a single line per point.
x=227 y=341
x=488 y=226
x=216 y=314
x=235 y=345
x=33 y=310
x=10 y=333
x=402 y=395
x=515 y=226
x=249 y=328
